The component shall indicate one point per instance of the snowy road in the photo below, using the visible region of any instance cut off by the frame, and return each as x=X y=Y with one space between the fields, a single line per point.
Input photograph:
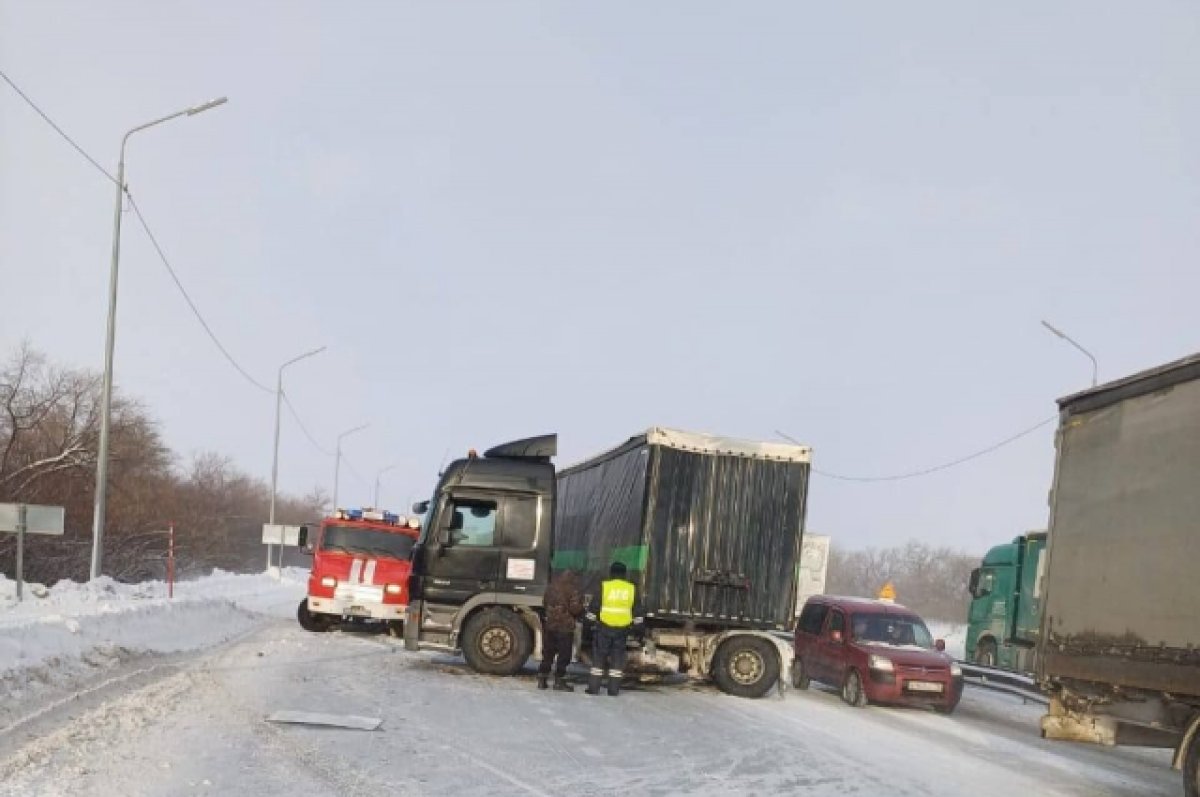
x=194 y=725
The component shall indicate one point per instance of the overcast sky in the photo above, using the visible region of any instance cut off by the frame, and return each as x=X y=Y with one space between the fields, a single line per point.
x=843 y=221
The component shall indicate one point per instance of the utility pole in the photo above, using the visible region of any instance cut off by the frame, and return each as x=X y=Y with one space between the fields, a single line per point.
x=337 y=460
x=110 y=340
x=275 y=456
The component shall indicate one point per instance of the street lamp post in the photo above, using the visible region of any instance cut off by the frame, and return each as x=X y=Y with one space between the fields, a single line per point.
x=1069 y=339
x=275 y=456
x=377 y=476
x=337 y=459
x=106 y=388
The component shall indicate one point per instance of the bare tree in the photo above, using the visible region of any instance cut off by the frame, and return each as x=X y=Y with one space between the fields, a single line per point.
x=929 y=580
x=49 y=422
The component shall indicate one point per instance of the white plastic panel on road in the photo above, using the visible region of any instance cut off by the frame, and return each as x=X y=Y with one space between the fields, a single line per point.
x=328 y=720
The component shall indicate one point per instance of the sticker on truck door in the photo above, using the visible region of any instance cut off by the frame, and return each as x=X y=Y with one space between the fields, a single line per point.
x=520 y=569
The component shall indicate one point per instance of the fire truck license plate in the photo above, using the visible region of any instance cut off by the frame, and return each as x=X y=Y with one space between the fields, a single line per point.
x=924 y=686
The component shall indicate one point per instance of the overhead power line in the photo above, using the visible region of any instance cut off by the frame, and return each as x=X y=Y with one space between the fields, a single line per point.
x=29 y=101
x=936 y=468
x=304 y=429
x=187 y=298
x=163 y=257
x=354 y=471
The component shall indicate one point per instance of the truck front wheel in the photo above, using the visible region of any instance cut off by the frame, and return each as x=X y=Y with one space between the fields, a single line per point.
x=985 y=653
x=496 y=642
x=310 y=621
x=746 y=666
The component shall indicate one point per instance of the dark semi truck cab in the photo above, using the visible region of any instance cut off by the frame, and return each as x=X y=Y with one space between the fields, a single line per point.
x=709 y=527
x=482 y=562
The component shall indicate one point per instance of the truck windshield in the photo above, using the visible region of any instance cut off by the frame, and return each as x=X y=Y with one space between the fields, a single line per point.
x=884 y=629
x=367 y=541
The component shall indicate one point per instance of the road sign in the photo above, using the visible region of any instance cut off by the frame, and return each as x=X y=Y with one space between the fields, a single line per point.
x=23 y=519
x=276 y=534
x=38 y=519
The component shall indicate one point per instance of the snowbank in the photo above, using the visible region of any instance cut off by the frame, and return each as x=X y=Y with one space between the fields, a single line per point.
x=67 y=631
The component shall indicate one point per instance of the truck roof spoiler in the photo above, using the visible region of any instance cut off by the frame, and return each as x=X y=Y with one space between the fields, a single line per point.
x=540 y=448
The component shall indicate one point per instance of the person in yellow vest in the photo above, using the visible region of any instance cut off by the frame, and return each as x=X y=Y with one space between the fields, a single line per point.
x=613 y=612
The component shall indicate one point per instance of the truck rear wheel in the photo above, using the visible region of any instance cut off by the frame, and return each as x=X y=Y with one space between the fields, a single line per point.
x=496 y=642
x=985 y=653
x=309 y=621
x=1191 y=768
x=746 y=666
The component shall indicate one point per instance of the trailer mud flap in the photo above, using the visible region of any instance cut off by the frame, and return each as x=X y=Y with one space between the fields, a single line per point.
x=1075 y=726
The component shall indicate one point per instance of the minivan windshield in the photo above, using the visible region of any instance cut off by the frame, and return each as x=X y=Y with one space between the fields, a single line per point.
x=896 y=631
x=349 y=539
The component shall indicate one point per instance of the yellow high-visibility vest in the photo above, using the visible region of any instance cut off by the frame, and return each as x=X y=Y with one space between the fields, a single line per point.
x=616 y=603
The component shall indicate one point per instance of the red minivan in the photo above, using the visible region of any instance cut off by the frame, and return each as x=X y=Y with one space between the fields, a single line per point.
x=874 y=651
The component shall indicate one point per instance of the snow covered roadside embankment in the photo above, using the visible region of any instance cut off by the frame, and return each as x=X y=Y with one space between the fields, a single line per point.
x=66 y=634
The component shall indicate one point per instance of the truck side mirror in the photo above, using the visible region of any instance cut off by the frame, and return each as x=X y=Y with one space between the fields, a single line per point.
x=302 y=539
x=448 y=538
x=420 y=507
x=973 y=585
x=836 y=636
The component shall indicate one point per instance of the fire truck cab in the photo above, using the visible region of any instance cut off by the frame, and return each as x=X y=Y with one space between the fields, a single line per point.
x=360 y=568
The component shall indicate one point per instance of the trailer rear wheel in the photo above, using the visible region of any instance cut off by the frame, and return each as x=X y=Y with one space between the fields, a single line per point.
x=309 y=621
x=1191 y=768
x=496 y=642
x=746 y=666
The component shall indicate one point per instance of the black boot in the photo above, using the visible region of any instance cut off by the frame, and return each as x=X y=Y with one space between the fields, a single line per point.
x=614 y=684
x=593 y=684
x=561 y=685
x=542 y=682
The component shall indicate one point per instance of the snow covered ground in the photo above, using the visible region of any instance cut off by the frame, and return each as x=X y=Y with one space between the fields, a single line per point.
x=61 y=638
x=185 y=715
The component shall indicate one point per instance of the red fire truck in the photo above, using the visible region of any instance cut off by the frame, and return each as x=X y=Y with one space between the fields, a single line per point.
x=360 y=569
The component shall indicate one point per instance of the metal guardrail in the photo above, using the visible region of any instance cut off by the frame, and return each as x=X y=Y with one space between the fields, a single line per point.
x=998 y=680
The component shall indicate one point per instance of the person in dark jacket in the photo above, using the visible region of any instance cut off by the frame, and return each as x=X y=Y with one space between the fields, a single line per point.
x=564 y=603
x=614 y=611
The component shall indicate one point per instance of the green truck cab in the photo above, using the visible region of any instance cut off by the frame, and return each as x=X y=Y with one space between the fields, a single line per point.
x=1005 y=614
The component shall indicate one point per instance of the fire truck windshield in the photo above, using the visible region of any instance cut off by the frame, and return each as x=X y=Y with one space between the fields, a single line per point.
x=349 y=539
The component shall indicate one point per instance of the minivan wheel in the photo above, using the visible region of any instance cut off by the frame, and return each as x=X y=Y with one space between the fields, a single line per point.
x=746 y=666
x=852 y=690
x=496 y=642
x=946 y=708
x=800 y=678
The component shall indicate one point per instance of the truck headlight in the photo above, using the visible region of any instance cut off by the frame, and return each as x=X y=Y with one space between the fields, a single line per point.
x=881 y=663
x=393 y=589
x=328 y=581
